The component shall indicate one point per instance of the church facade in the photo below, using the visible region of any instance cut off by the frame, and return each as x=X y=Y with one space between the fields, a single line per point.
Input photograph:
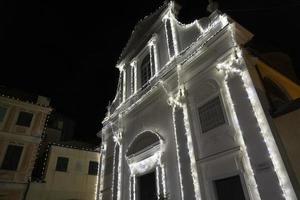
x=187 y=121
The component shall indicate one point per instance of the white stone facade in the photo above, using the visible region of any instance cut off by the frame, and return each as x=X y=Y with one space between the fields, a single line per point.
x=195 y=120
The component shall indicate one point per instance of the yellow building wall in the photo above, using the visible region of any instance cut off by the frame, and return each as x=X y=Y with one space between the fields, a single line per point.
x=14 y=183
x=73 y=184
x=288 y=126
x=289 y=86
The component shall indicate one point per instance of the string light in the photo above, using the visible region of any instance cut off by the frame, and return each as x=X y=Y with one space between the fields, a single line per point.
x=102 y=174
x=217 y=24
x=177 y=151
x=229 y=68
x=140 y=166
x=120 y=170
x=113 y=173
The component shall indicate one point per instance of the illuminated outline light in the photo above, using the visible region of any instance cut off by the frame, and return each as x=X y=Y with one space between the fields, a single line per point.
x=279 y=168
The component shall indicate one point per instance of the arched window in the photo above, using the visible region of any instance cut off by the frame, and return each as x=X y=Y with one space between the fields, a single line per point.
x=142 y=143
x=143 y=154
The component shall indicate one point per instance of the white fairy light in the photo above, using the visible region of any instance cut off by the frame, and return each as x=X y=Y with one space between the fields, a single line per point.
x=152 y=46
x=130 y=185
x=213 y=24
x=133 y=65
x=177 y=151
x=103 y=162
x=153 y=161
x=134 y=187
x=145 y=164
x=113 y=173
x=251 y=183
x=226 y=66
x=157 y=181
x=163 y=174
x=191 y=152
x=265 y=130
x=97 y=179
x=120 y=171
x=124 y=85
x=168 y=18
x=155 y=58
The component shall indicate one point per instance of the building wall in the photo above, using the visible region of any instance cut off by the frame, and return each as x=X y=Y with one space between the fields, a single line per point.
x=14 y=182
x=288 y=129
x=75 y=183
x=285 y=125
x=193 y=160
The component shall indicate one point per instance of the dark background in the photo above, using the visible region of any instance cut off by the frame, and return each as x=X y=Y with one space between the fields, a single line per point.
x=67 y=50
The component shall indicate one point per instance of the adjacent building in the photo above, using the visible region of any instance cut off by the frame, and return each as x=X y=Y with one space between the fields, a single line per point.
x=22 y=122
x=60 y=129
x=197 y=116
x=69 y=172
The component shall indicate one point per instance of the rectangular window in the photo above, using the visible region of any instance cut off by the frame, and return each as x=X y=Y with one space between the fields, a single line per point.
x=229 y=188
x=145 y=70
x=62 y=164
x=2 y=113
x=170 y=38
x=12 y=157
x=211 y=115
x=93 y=168
x=24 y=119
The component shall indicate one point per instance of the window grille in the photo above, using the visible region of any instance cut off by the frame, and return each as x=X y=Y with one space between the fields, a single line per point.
x=211 y=115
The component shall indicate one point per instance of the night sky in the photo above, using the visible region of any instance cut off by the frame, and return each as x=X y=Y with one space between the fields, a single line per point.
x=67 y=50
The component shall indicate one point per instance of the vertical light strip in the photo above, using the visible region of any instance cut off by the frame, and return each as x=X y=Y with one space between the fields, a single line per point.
x=135 y=78
x=113 y=173
x=132 y=81
x=283 y=178
x=250 y=180
x=191 y=152
x=163 y=174
x=285 y=184
x=124 y=85
x=174 y=35
x=103 y=152
x=157 y=181
x=134 y=187
x=177 y=152
x=120 y=171
x=133 y=65
x=152 y=58
x=97 y=179
x=168 y=39
x=130 y=187
x=155 y=56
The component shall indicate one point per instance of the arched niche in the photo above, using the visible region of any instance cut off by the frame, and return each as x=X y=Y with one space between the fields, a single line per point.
x=144 y=153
